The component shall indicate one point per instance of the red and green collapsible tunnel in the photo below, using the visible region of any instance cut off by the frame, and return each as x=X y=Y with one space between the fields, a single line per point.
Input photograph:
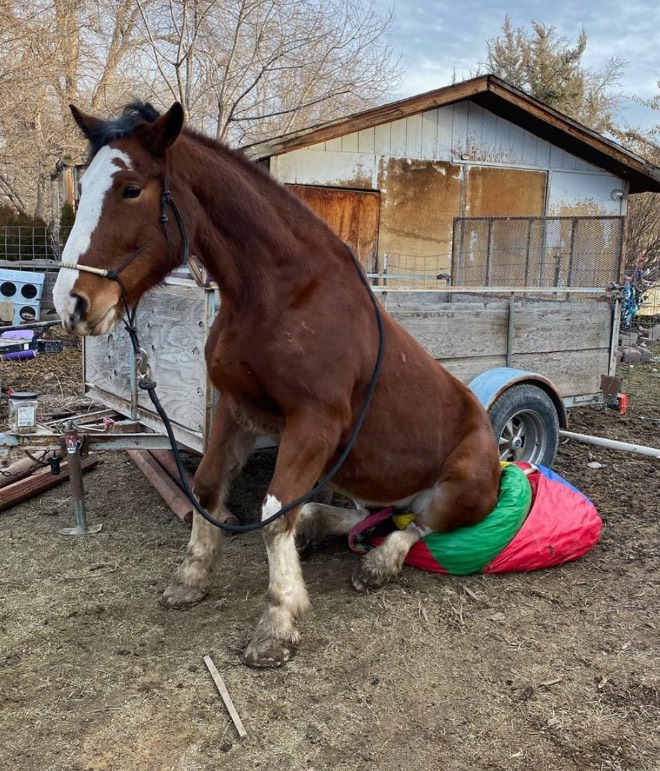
x=540 y=521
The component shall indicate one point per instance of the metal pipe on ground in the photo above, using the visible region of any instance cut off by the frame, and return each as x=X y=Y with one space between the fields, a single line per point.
x=612 y=444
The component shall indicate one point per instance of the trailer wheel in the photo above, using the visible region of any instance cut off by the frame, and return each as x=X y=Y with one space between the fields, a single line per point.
x=525 y=424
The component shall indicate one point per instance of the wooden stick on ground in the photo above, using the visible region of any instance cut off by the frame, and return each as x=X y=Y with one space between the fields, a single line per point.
x=224 y=693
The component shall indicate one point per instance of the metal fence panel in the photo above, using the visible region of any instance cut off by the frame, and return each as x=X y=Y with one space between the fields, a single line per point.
x=537 y=251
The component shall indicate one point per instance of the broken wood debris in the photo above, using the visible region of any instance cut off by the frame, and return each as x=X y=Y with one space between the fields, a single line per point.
x=43 y=480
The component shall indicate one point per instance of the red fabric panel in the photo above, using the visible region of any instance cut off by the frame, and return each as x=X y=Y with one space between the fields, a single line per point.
x=561 y=526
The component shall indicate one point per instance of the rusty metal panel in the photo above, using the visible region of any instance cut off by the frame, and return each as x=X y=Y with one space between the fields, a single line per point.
x=419 y=202
x=353 y=214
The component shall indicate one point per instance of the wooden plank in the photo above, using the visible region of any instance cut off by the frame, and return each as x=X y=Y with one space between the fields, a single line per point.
x=468 y=368
x=575 y=373
x=226 y=698
x=458 y=332
x=24 y=467
x=563 y=326
x=173 y=328
x=429 y=142
x=398 y=139
x=414 y=136
x=349 y=143
x=382 y=140
x=459 y=131
x=366 y=140
x=40 y=482
x=445 y=124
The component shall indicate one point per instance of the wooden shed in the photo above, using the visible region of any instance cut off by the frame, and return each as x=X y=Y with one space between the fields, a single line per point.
x=419 y=187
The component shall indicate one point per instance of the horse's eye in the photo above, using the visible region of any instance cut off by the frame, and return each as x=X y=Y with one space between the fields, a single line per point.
x=132 y=191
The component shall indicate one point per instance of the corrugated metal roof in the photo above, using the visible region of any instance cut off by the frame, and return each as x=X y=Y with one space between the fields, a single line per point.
x=503 y=100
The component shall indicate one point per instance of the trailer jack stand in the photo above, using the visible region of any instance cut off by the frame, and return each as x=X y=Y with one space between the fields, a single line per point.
x=72 y=444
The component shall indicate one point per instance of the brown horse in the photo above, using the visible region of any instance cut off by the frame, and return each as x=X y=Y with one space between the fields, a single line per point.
x=291 y=353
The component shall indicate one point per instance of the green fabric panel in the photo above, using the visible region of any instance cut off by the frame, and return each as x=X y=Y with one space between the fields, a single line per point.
x=469 y=549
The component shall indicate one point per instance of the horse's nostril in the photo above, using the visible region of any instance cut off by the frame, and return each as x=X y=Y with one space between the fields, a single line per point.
x=81 y=307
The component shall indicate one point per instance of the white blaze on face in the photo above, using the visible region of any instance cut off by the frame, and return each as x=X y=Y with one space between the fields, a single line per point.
x=96 y=182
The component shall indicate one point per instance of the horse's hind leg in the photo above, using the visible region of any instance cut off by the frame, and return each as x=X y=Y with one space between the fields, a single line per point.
x=383 y=563
x=318 y=521
x=229 y=446
x=465 y=496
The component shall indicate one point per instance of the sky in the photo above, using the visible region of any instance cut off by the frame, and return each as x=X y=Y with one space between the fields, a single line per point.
x=437 y=38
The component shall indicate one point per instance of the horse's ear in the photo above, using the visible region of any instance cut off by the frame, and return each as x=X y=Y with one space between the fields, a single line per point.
x=165 y=130
x=88 y=123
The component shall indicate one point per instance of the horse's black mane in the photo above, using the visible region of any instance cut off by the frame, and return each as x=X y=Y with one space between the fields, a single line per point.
x=118 y=128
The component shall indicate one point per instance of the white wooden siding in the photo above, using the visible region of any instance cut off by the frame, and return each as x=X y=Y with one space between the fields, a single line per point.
x=460 y=133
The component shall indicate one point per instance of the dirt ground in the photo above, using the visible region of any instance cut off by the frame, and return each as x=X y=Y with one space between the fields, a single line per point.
x=547 y=671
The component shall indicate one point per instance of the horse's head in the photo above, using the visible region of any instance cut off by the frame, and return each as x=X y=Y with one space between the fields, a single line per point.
x=118 y=226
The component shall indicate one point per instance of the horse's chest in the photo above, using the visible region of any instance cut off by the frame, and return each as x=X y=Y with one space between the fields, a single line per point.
x=246 y=396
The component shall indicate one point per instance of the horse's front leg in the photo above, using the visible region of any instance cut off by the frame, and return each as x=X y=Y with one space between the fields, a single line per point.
x=228 y=448
x=305 y=448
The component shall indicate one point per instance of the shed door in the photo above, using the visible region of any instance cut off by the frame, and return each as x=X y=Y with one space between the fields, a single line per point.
x=352 y=214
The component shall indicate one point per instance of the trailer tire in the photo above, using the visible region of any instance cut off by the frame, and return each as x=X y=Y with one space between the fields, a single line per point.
x=525 y=424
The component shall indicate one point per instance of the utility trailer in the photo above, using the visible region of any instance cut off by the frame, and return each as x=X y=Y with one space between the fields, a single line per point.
x=528 y=353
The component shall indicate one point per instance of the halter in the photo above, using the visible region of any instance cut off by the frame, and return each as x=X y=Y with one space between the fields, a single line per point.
x=146 y=382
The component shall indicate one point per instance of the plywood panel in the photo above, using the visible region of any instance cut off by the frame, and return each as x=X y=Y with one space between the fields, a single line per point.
x=445 y=127
x=578 y=193
x=317 y=167
x=382 y=139
x=398 y=138
x=419 y=201
x=497 y=192
x=459 y=133
x=414 y=136
x=429 y=135
x=349 y=143
x=366 y=141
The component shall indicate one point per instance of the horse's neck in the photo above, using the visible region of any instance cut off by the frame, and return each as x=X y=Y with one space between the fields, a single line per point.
x=248 y=232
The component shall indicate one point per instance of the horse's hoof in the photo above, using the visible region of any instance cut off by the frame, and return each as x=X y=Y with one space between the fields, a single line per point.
x=180 y=597
x=269 y=653
x=365 y=578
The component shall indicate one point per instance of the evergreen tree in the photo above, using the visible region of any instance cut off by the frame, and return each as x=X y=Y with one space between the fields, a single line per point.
x=546 y=66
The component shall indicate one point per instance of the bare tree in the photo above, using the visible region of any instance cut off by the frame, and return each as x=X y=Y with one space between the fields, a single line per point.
x=255 y=68
x=243 y=69
x=643 y=221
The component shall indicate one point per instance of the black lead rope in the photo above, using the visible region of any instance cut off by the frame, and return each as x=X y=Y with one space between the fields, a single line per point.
x=149 y=385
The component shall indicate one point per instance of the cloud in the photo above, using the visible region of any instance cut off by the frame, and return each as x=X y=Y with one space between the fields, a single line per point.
x=438 y=39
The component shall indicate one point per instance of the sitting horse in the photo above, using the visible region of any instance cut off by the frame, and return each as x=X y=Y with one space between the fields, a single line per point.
x=291 y=354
